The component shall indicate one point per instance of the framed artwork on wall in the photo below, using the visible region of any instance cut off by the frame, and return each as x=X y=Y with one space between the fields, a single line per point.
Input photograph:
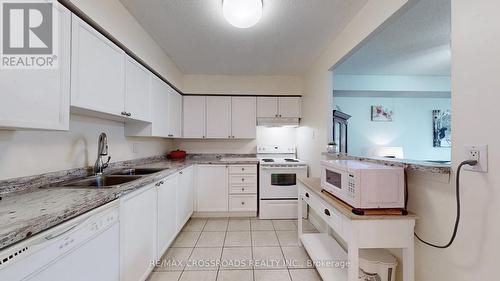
x=441 y=120
x=381 y=113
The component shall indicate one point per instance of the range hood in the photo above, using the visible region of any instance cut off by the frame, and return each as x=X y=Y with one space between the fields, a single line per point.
x=278 y=122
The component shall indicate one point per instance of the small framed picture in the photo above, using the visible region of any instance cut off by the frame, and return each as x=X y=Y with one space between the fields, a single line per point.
x=381 y=113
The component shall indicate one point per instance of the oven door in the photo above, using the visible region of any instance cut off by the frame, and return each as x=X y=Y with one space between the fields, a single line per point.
x=280 y=182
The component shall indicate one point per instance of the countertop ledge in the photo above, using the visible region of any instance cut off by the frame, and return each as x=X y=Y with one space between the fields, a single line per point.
x=29 y=205
x=409 y=165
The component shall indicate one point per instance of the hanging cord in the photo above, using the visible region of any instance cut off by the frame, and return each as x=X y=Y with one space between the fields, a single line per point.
x=457 y=219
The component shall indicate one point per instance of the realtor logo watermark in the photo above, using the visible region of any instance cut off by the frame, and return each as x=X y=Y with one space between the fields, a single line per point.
x=29 y=34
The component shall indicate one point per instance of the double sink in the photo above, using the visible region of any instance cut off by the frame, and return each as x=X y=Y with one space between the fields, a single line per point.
x=112 y=179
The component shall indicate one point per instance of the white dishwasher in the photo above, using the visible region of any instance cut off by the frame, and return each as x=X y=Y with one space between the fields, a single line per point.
x=85 y=248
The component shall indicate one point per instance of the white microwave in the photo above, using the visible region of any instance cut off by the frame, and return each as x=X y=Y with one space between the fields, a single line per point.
x=364 y=185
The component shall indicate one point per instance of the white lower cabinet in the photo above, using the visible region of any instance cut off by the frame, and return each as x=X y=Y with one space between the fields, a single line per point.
x=231 y=188
x=150 y=219
x=167 y=211
x=185 y=196
x=138 y=233
x=212 y=188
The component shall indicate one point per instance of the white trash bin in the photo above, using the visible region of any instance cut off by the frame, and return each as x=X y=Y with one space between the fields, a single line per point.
x=377 y=265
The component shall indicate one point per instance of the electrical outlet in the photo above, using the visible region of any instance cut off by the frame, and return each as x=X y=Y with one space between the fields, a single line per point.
x=478 y=153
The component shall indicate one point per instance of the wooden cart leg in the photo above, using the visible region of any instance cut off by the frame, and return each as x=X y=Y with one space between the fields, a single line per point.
x=353 y=259
x=408 y=263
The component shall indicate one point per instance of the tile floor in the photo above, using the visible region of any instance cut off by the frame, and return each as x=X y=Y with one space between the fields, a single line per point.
x=237 y=249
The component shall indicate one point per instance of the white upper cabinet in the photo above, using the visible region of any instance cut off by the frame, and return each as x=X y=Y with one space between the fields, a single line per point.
x=137 y=91
x=175 y=113
x=39 y=99
x=243 y=117
x=218 y=117
x=159 y=108
x=97 y=71
x=166 y=110
x=289 y=107
x=269 y=107
x=193 y=117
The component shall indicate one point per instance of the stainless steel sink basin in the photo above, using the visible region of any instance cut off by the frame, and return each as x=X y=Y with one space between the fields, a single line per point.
x=138 y=171
x=100 y=181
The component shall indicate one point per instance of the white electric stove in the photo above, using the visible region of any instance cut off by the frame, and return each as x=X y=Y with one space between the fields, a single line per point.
x=279 y=173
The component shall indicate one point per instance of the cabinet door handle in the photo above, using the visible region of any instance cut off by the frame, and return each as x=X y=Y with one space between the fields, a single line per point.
x=161 y=182
x=124 y=113
x=243 y=169
x=307 y=195
x=242 y=189
x=242 y=179
x=180 y=172
x=129 y=114
x=242 y=203
x=327 y=212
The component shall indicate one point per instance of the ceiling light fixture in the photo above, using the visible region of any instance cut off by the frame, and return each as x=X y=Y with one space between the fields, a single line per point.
x=242 y=13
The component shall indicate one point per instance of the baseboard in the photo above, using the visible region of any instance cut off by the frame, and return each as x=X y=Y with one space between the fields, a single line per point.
x=224 y=214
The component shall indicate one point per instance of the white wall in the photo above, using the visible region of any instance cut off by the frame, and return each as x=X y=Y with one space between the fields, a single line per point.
x=284 y=136
x=251 y=85
x=475 y=99
x=411 y=127
x=24 y=153
x=315 y=131
x=116 y=19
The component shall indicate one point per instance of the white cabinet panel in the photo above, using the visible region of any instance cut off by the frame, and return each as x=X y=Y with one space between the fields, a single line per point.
x=267 y=107
x=243 y=117
x=175 y=113
x=138 y=233
x=193 y=117
x=218 y=117
x=211 y=188
x=39 y=99
x=290 y=107
x=185 y=195
x=167 y=211
x=137 y=90
x=159 y=108
x=97 y=71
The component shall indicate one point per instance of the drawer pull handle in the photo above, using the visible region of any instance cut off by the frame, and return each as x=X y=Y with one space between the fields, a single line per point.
x=307 y=195
x=242 y=179
x=242 y=189
x=243 y=169
x=327 y=212
x=242 y=203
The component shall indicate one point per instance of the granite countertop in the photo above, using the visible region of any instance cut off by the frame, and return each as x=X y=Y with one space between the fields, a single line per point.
x=314 y=184
x=30 y=205
x=409 y=165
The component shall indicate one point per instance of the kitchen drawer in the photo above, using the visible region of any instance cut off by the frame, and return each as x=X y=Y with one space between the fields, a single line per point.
x=243 y=189
x=243 y=169
x=332 y=217
x=242 y=203
x=242 y=179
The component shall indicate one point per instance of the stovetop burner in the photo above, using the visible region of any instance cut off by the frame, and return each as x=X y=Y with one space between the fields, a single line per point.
x=267 y=160
x=291 y=160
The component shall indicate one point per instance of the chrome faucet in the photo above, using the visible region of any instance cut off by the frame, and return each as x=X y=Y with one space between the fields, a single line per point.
x=102 y=150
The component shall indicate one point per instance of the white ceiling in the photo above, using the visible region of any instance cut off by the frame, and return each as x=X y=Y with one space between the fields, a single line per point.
x=287 y=40
x=415 y=43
